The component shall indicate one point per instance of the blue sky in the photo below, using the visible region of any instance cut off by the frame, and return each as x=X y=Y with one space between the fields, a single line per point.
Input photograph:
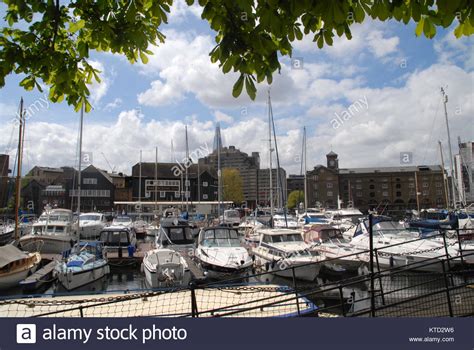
x=143 y=106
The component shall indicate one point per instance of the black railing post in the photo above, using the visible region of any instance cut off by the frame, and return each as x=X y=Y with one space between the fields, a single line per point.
x=194 y=309
x=460 y=247
x=80 y=311
x=380 y=275
x=446 y=284
x=341 y=296
x=371 y=248
x=448 y=260
x=296 y=291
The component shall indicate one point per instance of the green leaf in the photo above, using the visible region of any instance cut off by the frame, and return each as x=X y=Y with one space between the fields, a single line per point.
x=419 y=26
x=75 y=26
x=143 y=57
x=250 y=87
x=239 y=84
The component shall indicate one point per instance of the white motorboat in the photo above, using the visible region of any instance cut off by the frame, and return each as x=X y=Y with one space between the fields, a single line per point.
x=329 y=242
x=249 y=228
x=282 y=221
x=140 y=227
x=122 y=220
x=397 y=246
x=54 y=232
x=231 y=217
x=176 y=234
x=314 y=217
x=85 y=264
x=281 y=249
x=165 y=268
x=117 y=238
x=91 y=224
x=7 y=231
x=220 y=254
x=16 y=265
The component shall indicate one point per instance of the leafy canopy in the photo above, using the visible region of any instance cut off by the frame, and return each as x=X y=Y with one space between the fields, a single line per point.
x=295 y=198
x=233 y=185
x=49 y=41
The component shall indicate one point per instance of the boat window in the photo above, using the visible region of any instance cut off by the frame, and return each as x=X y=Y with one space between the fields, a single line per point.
x=287 y=238
x=115 y=237
x=89 y=217
x=122 y=219
x=178 y=235
x=221 y=238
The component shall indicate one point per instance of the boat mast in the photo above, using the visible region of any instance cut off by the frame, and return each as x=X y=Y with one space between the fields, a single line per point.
x=140 y=186
x=156 y=179
x=445 y=180
x=453 y=186
x=186 y=181
x=270 y=150
x=219 y=181
x=305 y=171
x=81 y=124
x=417 y=193
x=21 y=135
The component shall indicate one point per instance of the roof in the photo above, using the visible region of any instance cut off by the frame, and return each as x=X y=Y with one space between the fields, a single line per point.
x=9 y=253
x=331 y=154
x=279 y=231
x=392 y=169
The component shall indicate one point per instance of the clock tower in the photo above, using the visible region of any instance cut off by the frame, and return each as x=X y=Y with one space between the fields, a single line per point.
x=332 y=161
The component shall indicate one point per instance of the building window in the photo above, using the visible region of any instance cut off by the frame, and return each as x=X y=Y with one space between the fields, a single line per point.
x=398 y=186
x=176 y=194
x=329 y=185
x=372 y=194
x=358 y=194
x=385 y=193
x=315 y=177
x=315 y=193
x=426 y=193
x=439 y=192
x=425 y=184
x=162 y=194
x=399 y=194
x=204 y=196
x=358 y=187
x=358 y=180
x=397 y=179
x=187 y=183
x=329 y=193
x=371 y=187
x=439 y=184
x=411 y=185
x=412 y=193
x=205 y=184
x=384 y=179
x=384 y=185
x=89 y=181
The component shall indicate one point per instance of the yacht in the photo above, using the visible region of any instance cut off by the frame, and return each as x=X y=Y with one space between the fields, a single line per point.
x=122 y=220
x=165 y=268
x=249 y=228
x=84 y=265
x=281 y=249
x=344 y=218
x=16 y=265
x=53 y=233
x=220 y=254
x=91 y=224
x=398 y=246
x=231 y=217
x=114 y=238
x=140 y=226
x=329 y=242
x=7 y=231
x=175 y=233
x=313 y=216
x=280 y=221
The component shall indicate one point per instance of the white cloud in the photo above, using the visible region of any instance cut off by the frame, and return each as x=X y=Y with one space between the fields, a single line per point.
x=451 y=50
x=222 y=117
x=117 y=102
x=99 y=90
x=381 y=46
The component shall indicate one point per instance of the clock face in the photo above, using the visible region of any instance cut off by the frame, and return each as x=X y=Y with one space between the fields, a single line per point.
x=332 y=162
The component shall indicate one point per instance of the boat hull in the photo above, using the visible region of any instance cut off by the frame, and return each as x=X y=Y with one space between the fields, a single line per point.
x=71 y=280
x=56 y=244
x=90 y=231
x=302 y=271
x=13 y=278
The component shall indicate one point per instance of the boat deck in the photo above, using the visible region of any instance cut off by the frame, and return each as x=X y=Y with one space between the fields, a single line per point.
x=43 y=275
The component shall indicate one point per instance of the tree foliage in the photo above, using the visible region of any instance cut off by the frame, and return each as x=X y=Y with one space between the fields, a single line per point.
x=295 y=198
x=233 y=188
x=50 y=42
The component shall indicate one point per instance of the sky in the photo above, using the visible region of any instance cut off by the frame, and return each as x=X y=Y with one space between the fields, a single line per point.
x=369 y=99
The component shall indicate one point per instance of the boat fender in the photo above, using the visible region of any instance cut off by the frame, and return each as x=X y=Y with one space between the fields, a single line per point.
x=69 y=275
x=71 y=242
x=391 y=261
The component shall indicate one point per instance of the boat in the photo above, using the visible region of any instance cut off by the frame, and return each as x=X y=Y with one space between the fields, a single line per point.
x=91 y=224
x=249 y=228
x=140 y=226
x=84 y=265
x=114 y=238
x=175 y=233
x=398 y=247
x=165 y=268
x=53 y=233
x=7 y=231
x=344 y=218
x=313 y=216
x=435 y=219
x=282 y=221
x=230 y=217
x=16 y=265
x=220 y=254
x=329 y=242
x=280 y=250
x=122 y=220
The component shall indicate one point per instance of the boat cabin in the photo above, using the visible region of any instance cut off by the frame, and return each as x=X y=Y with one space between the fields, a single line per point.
x=175 y=231
x=117 y=236
x=322 y=234
x=219 y=237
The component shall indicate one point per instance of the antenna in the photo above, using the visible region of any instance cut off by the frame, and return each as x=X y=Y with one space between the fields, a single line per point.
x=106 y=160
